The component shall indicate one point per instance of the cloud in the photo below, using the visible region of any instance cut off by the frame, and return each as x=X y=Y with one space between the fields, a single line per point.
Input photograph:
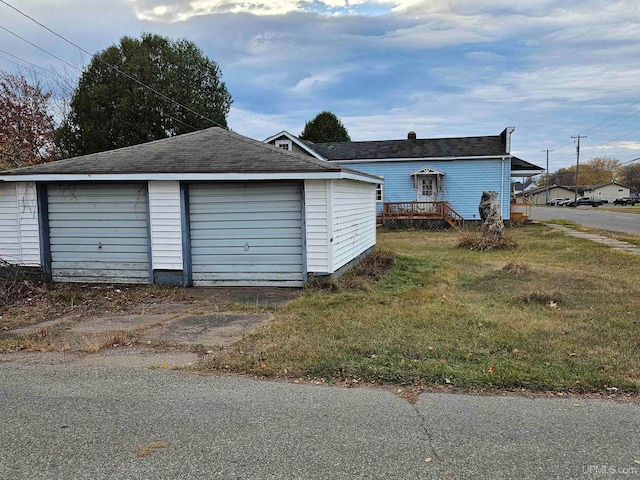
x=182 y=10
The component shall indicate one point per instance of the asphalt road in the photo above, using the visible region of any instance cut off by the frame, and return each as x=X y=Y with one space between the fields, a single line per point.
x=593 y=217
x=64 y=422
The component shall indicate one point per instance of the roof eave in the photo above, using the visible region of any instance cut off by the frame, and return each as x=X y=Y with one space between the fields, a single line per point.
x=193 y=177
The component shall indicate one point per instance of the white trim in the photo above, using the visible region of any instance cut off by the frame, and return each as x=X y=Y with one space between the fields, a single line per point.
x=416 y=159
x=285 y=143
x=329 y=197
x=524 y=173
x=380 y=188
x=426 y=171
x=136 y=177
x=508 y=132
x=297 y=141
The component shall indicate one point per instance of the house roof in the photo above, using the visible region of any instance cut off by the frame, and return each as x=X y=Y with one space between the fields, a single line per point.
x=303 y=144
x=210 y=151
x=518 y=165
x=606 y=184
x=533 y=191
x=413 y=148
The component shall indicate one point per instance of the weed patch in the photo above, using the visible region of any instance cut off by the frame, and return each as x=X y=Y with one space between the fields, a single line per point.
x=477 y=240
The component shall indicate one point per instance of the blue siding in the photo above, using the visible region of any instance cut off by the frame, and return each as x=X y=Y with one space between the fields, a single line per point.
x=462 y=186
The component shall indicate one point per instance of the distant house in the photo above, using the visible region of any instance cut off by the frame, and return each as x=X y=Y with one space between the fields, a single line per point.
x=538 y=195
x=205 y=208
x=451 y=171
x=607 y=191
x=604 y=191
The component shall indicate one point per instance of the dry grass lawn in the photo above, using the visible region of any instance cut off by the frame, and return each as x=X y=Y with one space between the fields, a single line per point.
x=554 y=314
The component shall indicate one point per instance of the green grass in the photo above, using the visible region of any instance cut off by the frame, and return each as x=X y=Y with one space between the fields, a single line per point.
x=554 y=314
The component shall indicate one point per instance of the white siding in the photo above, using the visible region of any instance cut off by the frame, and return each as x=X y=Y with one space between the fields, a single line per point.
x=317 y=226
x=28 y=221
x=166 y=225
x=354 y=220
x=9 y=226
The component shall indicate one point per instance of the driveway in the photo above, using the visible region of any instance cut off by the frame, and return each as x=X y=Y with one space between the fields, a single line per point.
x=163 y=334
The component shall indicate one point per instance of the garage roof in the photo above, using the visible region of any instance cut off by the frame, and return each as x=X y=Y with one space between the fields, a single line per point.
x=211 y=151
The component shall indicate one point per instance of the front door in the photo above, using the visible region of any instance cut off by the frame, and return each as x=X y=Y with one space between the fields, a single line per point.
x=426 y=188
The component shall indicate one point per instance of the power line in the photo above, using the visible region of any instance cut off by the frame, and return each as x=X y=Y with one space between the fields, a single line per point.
x=61 y=77
x=130 y=77
x=39 y=48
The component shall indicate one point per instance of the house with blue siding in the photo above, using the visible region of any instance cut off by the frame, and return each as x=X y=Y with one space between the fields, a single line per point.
x=205 y=208
x=428 y=172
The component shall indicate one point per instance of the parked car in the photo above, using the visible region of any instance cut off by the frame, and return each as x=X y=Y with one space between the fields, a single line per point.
x=625 y=201
x=593 y=202
x=556 y=201
x=564 y=202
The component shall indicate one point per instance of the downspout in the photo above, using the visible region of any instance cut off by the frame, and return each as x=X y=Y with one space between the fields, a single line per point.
x=502 y=183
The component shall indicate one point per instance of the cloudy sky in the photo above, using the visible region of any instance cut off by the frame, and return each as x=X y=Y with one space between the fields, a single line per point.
x=551 y=68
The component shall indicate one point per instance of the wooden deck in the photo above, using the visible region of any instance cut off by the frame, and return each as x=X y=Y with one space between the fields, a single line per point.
x=422 y=211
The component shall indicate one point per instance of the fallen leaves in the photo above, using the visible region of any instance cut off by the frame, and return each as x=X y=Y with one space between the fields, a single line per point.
x=149 y=448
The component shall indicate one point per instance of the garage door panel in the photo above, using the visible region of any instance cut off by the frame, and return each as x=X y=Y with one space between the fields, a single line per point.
x=89 y=251
x=234 y=217
x=259 y=223
x=86 y=264
x=101 y=223
x=256 y=243
x=133 y=235
x=246 y=234
x=252 y=277
x=255 y=204
x=98 y=233
x=272 y=259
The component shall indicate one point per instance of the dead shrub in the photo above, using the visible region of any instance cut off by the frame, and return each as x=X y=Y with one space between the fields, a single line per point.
x=516 y=268
x=371 y=270
x=477 y=240
x=17 y=282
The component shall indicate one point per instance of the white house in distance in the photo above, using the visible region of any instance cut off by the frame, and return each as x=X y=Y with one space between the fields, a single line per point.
x=206 y=208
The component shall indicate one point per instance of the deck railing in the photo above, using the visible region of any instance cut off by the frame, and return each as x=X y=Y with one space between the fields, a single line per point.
x=422 y=211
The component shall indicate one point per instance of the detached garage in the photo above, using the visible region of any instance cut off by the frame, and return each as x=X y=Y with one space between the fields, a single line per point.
x=206 y=208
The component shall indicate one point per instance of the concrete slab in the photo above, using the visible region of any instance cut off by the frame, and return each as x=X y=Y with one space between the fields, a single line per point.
x=214 y=329
x=594 y=237
x=120 y=323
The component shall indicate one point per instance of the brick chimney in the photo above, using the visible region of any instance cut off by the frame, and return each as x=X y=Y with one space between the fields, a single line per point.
x=411 y=135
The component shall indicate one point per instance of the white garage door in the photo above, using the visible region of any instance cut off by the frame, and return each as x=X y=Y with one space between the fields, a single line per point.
x=98 y=233
x=246 y=233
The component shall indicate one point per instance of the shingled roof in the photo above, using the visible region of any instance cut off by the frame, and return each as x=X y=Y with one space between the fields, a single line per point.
x=213 y=151
x=413 y=148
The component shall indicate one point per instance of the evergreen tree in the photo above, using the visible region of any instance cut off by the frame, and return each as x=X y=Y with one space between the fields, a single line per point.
x=325 y=127
x=111 y=110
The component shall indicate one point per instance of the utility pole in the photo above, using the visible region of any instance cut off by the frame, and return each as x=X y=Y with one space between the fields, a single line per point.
x=546 y=180
x=577 y=165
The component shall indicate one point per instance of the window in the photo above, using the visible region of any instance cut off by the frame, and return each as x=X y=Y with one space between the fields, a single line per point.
x=284 y=144
x=427 y=187
x=379 y=193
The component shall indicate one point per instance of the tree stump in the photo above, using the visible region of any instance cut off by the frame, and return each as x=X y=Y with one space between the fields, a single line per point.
x=492 y=225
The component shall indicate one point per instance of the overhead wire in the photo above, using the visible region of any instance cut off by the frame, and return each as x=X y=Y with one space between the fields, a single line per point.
x=95 y=57
x=61 y=77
